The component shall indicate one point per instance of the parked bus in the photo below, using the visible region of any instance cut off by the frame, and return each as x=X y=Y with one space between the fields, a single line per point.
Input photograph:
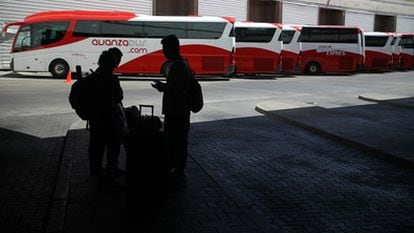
x=378 y=50
x=291 y=48
x=57 y=41
x=396 y=49
x=257 y=48
x=407 y=51
x=333 y=49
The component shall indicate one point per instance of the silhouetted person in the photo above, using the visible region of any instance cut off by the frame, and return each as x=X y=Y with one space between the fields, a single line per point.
x=118 y=54
x=175 y=107
x=106 y=131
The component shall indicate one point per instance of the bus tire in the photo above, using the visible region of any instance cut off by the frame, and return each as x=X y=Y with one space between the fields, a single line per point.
x=59 y=68
x=313 y=68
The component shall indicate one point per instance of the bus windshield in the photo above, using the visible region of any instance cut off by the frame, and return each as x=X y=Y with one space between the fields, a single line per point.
x=36 y=35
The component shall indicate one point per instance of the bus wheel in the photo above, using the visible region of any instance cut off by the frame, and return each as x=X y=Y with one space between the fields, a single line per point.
x=313 y=68
x=59 y=68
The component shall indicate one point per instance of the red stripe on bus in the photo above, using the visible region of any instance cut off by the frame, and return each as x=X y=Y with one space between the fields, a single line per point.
x=256 y=60
x=376 y=60
x=330 y=62
x=213 y=61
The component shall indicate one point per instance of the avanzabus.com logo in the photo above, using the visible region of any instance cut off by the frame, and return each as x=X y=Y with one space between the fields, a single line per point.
x=118 y=42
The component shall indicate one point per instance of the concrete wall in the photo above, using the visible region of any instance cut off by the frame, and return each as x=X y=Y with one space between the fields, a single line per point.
x=389 y=7
x=233 y=8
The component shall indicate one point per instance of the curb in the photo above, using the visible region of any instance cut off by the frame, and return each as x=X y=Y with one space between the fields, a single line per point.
x=57 y=214
x=342 y=140
x=386 y=102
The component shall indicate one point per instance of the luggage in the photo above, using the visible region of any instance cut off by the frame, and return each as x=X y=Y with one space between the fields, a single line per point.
x=147 y=165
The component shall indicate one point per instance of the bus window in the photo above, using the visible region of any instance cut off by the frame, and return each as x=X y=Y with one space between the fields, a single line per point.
x=329 y=35
x=258 y=35
x=197 y=30
x=286 y=36
x=188 y=30
x=376 y=41
x=36 y=35
x=87 y=28
x=23 y=39
x=407 y=42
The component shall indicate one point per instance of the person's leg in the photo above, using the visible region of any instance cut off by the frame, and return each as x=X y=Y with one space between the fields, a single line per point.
x=181 y=135
x=113 y=151
x=96 y=151
x=177 y=131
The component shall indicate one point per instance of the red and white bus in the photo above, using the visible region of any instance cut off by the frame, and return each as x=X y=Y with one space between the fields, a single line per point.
x=407 y=51
x=378 y=50
x=57 y=41
x=291 y=48
x=333 y=49
x=257 y=48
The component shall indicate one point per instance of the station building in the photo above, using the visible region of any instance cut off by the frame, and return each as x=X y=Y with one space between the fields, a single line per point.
x=370 y=15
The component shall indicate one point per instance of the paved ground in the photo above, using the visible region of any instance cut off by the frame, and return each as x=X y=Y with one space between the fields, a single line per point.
x=307 y=169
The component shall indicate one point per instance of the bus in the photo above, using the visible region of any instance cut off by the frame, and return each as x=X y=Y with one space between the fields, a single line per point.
x=257 y=48
x=396 y=48
x=291 y=48
x=378 y=50
x=57 y=41
x=407 y=51
x=333 y=49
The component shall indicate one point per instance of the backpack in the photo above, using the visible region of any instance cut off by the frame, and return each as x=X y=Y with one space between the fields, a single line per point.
x=195 y=95
x=84 y=97
x=195 y=101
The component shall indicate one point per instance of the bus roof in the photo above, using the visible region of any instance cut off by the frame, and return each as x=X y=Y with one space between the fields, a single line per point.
x=182 y=18
x=378 y=34
x=65 y=15
x=115 y=15
x=255 y=24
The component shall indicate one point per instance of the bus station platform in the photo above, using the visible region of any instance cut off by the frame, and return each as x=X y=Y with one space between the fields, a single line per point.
x=297 y=168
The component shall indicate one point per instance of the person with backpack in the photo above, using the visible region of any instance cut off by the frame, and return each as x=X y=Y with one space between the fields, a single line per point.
x=175 y=107
x=107 y=127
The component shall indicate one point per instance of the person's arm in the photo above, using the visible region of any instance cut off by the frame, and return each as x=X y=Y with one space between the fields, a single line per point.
x=160 y=86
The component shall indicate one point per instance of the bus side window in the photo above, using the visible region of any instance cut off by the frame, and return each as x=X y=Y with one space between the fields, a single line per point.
x=46 y=37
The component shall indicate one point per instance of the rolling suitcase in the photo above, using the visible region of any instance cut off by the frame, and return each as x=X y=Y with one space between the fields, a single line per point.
x=147 y=164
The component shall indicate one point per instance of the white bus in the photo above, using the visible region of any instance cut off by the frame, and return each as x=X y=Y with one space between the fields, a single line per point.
x=57 y=41
x=257 y=49
x=333 y=49
x=378 y=50
x=291 y=48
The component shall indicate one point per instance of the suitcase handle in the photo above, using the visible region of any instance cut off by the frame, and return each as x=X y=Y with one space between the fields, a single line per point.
x=141 y=106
